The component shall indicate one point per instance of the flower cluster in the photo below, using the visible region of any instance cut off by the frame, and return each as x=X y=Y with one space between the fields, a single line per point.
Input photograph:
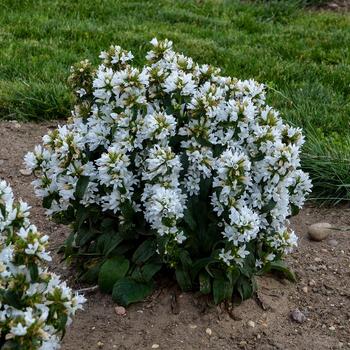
x=157 y=137
x=35 y=305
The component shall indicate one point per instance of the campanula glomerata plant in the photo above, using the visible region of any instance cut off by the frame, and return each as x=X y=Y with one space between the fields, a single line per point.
x=171 y=166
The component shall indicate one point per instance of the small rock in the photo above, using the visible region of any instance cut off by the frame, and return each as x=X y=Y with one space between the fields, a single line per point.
x=317 y=259
x=331 y=328
x=208 y=331
x=100 y=344
x=319 y=231
x=298 y=316
x=333 y=242
x=193 y=326
x=312 y=283
x=120 y=310
x=251 y=324
x=15 y=124
x=155 y=346
x=305 y=289
x=25 y=172
x=333 y=6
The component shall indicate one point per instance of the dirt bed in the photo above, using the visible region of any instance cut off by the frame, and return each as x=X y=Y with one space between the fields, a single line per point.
x=170 y=319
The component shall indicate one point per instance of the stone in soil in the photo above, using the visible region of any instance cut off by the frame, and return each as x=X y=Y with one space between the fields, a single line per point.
x=120 y=310
x=333 y=242
x=25 y=172
x=297 y=316
x=319 y=231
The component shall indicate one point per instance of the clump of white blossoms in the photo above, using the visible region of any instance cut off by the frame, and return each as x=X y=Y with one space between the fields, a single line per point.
x=197 y=159
x=35 y=305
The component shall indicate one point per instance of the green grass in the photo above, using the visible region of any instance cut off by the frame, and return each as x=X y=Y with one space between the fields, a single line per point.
x=303 y=55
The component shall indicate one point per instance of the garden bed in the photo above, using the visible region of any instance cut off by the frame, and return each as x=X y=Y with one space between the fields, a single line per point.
x=176 y=320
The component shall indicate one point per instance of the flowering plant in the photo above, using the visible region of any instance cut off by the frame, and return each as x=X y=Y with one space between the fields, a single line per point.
x=171 y=165
x=35 y=305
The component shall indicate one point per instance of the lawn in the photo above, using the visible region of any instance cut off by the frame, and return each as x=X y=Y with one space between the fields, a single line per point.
x=302 y=55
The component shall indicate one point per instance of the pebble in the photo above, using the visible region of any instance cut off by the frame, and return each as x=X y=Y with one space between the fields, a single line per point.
x=305 y=289
x=331 y=328
x=298 y=316
x=333 y=242
x=25 y=172
x=193 y=326
x=15 y=124
x=120 y=310
x=312 y=283
x=333 y=6
x=319 y=231
x=100 y=344
x=251 y=324
x=155 y=346
x=208 y=331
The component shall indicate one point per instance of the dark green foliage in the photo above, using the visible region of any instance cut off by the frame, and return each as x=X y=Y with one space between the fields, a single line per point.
x=111 y=271
x=127 y=291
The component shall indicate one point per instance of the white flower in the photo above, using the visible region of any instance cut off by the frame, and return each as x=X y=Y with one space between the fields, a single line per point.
x=81 y=92
x=226 y=256
x=20 y=242
x=19 y=330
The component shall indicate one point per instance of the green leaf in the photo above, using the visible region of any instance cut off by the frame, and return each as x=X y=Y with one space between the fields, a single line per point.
x=222 y=290
x=127 y=291
x=200 y=264
x=108 y=241
x=269 y=206
x=91 y=275
x=114 y=242
x=62 y=322
x=47 y=201
x=183 y=279
x=205 y=189
x=145 y=251
x=111 y=271
x=190 y=221
x=279 y=265
x=233 y=276
x=127 y=210
x=204 y=283
x=149 y=270
x=146 y=272
x=81 y=186
x=13 y=299
x=11 y=345
x=68 y=245
x=81 y=215
x=84 y=236
x=245 y=288
x=295 y=210
x=185 y=258
x=33 y=270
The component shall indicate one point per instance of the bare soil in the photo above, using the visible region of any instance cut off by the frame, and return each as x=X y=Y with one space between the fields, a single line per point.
x=336 y=6
x=170 y=319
